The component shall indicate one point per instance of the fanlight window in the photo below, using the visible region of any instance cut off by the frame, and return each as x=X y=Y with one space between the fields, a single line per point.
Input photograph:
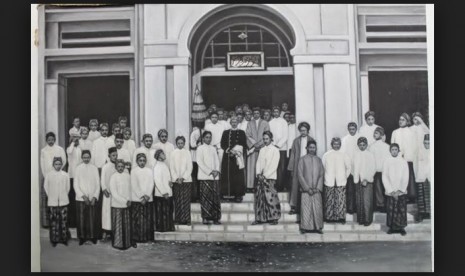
x=245 y=38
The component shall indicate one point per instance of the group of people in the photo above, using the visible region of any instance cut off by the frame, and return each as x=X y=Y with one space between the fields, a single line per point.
x=112 y=189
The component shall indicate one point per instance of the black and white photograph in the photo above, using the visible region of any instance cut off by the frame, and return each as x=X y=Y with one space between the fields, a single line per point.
x=232 y=137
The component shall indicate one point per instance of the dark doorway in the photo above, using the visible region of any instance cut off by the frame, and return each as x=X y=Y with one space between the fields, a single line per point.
x=395 y=92
x=104 y=98
x=261 y=91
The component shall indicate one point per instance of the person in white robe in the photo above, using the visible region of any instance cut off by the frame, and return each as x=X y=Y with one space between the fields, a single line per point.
x=57 y=186
x=146 y=148
x=209 y=175
x=422 y=178
x=181 y=170
x=122 y=152
x=94 y=134
x=380 y=150
x=337 y=169
x=47 y=153
x=76 y=129
x=368 y=129
x=222 y=118
x=99 y=147
x=242 y=123
x=87 y=188
x=405 y=138
x=84 y=142
x=163 y=201
x=107 y=171
x=142 y=186
x=216 y=128
x=350 y=147
x=284 y=109
x=280 y=130
x=364 y=169
x=163 y=144
x=74 y=152
x=129 y=144
x=267 y=207
x=395 y=181
x=115 y=128
x=120 y=189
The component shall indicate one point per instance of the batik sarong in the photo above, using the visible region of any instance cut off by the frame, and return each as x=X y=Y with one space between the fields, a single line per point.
x=311 y=212
x=182 y=202
x=164 y=217
x=121 y=228
x=335 y=203
x=58 y=217
x=266 y=204
x=396 y=210
x=87 y=221
x=142 y=222
x=424 y=197
x=350 y=195
x=210 y=199
x=364 y=203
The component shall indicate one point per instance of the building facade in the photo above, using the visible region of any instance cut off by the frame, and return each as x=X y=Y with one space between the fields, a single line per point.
x=331 y=62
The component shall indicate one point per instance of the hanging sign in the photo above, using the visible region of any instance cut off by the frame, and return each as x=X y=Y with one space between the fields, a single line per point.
x=239 y=61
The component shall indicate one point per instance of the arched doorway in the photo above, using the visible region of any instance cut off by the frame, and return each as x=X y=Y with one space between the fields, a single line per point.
x=243 y=29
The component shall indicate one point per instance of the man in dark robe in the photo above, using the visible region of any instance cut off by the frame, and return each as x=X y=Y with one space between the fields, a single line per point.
x=234 y=144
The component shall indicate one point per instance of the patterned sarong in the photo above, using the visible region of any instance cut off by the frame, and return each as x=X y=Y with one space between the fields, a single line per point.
x=121 y=228
x=164 y=217
x=335 y=203
x=396 y=218
x=182 y=202
x=142 y=222
x=266 y=205
x=58 y=224
x=364 y=203
x=210 y=199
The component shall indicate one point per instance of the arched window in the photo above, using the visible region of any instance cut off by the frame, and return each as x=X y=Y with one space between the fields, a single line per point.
x=245 y=38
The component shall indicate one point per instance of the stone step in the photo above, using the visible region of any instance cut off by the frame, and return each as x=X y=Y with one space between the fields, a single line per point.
x=294 y=227
x=249 y=216
x=283 y=197
x=294 y=237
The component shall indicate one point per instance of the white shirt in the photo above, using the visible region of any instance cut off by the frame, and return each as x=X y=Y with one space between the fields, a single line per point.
x=120 y=189
x=74 y=158
x=292 y=134
x=46 y=158
x=56 y=186
x=161 y=177
x=405 y=138
x=267 y=162
x=350 y=147
x=381 y=152
x=141 y=183
x=85 y=144
x=100 y=151
x=207 y=122
x=93 y=135
x=130 y=146
x=368 y=132
x=395 y=175
x=181 y=165
x=122 y=154
x=226 y=124
x=422 y=165
x=303 y=146
x=86 y=182
x=419 y=133
x=337 y=168
x=110 y=142
x=149 y=155
x=217 y=131
x=107 y=171
x=194 y=138
x=207 y=160
x=243 y=125
x=364 y=166
x=166 y=147
x=75 y=131
x=280 y=130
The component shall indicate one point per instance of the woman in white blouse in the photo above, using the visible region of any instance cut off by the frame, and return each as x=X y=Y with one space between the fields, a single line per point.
x=208 y=175
x=56 y=187
x=181 y=170
x=120 y=189
x=142 y=201
x=266 y=205
x=163 y=201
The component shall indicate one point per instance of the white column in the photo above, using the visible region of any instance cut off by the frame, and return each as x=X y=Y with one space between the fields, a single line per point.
x=320 y=113
x=51 y=107
x=338 y=99
x=155 y=99
x=182 y=99
x=353 y=94
x=365 y=93
x=304 y=95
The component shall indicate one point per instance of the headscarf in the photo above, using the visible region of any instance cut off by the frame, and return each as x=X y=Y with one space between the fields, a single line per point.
x=370 y=113
x=304 y=124
x=140 y=155
x=50 y=134
x=352 y=124
x=84 y=152
x=362 y=139
x=407 y=118
x=147 y=135
x=111 y=150
x=380 y=130
x=417 y=114
x=157 y=154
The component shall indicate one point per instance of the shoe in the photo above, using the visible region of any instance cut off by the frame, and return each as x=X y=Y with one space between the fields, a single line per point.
x=274 y=222
x=319 y=232
x=206 y=222
x=256 y=223
x=216 y=222
x=343 y=222
x=292 y=211
x=238 y=199
x=303 y=231
x=390 y=231
x=54 y=244
x=94 y=241
x=367 y=224
x=403 y=232
x=297 y=221
x=134 y=245
x=81 y=242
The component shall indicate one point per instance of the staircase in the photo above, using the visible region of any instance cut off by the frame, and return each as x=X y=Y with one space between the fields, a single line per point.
x=236 y=226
